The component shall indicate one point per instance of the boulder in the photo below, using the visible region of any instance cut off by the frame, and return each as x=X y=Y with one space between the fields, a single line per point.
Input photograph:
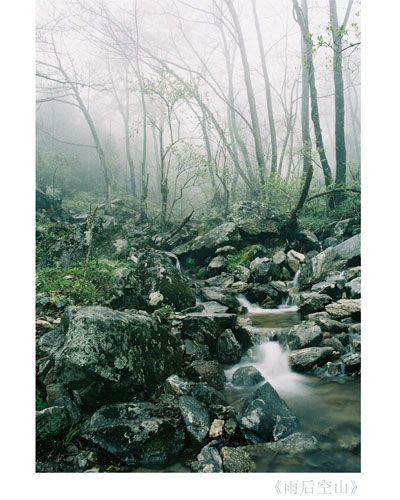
x=296 y=443
x=208 y=395
x=135 y=433
x=162 y=283
x=241 y=273
x=196 y=419
x=352 y=363
x=334 y=343
x=344 y=308
x=326 y=323
x=213 y=307
x=178 y=386
x=307 y=241
x=236 y=460
x=216 y=266
x=51 y=422
x=247 y=376
x=263 y=270
x=254 y=219
x=222 y=296
x=302 y=360
x=295 y=259
x=248 y=336
x=353 y=288
x=306 y=334
x=195 y=351
x=208 y=460
x=330 y=242
x=203 y=246
x=239 y=287
x=332 y=259
x=265 y=416
x=279 y=257
x=210 y=372
x=108 y=356
x=333 y=285
x=228 y=348
x=313 y=302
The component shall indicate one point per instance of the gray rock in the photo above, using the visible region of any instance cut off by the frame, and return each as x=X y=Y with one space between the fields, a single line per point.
x=334 y=343
x=333 y=286
x=265 y=416
x=308 y=241
x=73 y=410
x=248 y=336
x=247 y=376
x=208 y=395
x=344 y=308
x=236 y=460
x=306 y=334
x=55 y=391
x=135 y=433
x=330 y=260
x=224 y=280
x=353 y=288
x=196 y=418
x=196 y=351
x=304 y=359
x=263 y=270
x=295 y=259
x=213 y=307
x=239 y=287
x=279 y=257
x=162 y=283
x=328 y=324
x=296 y=443
x=352 y=363
x=228 y=348
x=256 y=219
x=217 y=428
x=222 y=296
x=210 y=372
x=177 y=386
x=51 y=422
x=208 y=460
x=313 y=302
x=216 y=266
x=241 y=273
x=226 y=250
x=330 y=242
x=110 y=355
x=202 y=246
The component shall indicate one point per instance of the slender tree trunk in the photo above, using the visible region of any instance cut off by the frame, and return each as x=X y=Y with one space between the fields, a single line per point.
x=233 y=128
x=163 y=182
x=144 y=177
x=305 y=104
x=274 y=149
x=250 y=98
x=302 y=19
x=340 y=143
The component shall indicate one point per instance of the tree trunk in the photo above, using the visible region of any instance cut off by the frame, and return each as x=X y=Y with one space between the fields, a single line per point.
x=250 y=98
x=274 y=149
x=340 y=143
x=305 y=104
x=302 y=19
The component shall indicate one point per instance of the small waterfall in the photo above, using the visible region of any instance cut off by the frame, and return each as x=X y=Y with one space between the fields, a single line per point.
x=295 y=282
x=272 y=362
x=254 y=309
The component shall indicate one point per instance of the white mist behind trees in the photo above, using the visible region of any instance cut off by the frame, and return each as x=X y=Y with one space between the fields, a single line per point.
x=173 y=102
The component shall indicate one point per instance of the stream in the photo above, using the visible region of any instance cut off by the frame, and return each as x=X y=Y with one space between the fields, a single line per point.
x=327 y=408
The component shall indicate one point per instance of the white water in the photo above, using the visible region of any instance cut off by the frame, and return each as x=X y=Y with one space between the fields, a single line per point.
x=254 y=309
x=272 y=362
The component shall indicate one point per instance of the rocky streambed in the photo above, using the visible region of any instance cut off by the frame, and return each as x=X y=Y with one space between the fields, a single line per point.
x=171 y=374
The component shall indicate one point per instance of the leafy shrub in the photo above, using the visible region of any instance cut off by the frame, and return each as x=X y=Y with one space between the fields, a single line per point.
x=201 y=273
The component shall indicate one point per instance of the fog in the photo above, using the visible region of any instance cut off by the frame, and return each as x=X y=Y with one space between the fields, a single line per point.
x=136 y=99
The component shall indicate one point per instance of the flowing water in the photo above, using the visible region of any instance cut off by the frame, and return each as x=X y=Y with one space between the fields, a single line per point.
x=327 y=408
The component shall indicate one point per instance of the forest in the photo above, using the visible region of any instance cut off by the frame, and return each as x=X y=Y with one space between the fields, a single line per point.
x=198 y=266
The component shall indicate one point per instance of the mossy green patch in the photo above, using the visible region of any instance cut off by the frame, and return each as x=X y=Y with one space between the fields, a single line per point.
x=240 y=258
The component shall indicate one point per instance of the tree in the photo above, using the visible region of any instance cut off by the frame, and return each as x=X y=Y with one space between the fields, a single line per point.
x=340 y=142
x=301 y=17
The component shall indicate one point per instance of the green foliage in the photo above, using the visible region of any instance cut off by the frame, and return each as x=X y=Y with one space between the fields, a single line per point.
x=167 y=309
x=73 y=430
x=236 y=260
x=157 y=444
x=190 y=262
x=95 y=288
x=283 y=194
x=40 y=402
x=201 y=273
